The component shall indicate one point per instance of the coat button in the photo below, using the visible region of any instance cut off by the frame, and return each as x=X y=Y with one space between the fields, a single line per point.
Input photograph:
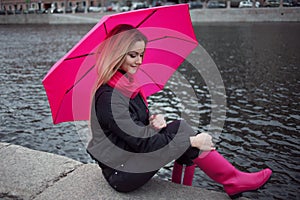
x=122 y=165
x=116 y=173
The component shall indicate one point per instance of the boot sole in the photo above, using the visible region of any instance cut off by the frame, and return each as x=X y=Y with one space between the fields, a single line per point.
x=235 y=196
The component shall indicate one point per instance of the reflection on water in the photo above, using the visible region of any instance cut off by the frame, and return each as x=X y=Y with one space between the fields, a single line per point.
x=259 y=64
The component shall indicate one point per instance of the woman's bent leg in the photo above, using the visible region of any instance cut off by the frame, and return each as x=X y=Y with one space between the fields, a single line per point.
x=185 y=162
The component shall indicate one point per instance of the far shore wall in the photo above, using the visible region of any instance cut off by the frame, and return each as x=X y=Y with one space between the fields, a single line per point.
x=198 y=15
x=246 y=15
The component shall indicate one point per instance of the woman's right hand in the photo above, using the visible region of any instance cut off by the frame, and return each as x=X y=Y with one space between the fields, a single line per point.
x=157 y=121
x=202 y=141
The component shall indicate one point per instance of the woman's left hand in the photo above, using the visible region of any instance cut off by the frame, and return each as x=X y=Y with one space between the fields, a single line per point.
x=157 y=121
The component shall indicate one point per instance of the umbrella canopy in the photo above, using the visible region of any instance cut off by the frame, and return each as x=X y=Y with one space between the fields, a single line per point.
x=171 y=39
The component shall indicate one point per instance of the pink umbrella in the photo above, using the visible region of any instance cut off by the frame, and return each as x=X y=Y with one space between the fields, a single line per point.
x=171 y=37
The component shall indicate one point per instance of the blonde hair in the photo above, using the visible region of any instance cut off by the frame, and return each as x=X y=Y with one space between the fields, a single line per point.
x=112 y=52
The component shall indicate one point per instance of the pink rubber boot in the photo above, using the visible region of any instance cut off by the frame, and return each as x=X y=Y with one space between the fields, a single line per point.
x=234 y=181
x=177 y=173
x=188 y=174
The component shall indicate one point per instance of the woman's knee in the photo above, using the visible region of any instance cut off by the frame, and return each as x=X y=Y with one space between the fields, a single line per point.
x=188 y=156
x=181 y=126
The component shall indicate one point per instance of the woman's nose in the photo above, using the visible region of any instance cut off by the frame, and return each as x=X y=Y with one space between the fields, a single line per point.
x=139 y=60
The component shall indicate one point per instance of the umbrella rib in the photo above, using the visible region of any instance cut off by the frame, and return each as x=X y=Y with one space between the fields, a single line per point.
x=104 y=24
x=88 y=54
x=165 y=37
x=68 y=90
x=152 y=13
x=84 y=55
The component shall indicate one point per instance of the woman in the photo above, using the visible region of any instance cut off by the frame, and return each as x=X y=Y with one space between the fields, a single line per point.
x=118 y=101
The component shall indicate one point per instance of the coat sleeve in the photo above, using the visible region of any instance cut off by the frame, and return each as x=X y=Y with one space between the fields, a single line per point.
x=114 y=118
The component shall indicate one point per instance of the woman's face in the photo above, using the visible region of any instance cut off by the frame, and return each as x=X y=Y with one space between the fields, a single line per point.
x=134 y=57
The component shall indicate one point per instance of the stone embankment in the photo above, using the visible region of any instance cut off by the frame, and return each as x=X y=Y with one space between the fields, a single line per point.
x=30 y=174
x=284 y=14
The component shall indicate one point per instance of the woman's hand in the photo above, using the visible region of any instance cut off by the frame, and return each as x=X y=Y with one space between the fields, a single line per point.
x=157 y=121
x=202 y=141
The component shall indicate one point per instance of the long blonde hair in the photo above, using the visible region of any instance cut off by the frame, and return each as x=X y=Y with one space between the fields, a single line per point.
x=112 y=52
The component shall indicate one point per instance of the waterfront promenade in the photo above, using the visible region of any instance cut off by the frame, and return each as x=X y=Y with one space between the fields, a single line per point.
x=284 y=14
x=30 y=174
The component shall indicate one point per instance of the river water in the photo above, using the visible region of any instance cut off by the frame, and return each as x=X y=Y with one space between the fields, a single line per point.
x=259 y=65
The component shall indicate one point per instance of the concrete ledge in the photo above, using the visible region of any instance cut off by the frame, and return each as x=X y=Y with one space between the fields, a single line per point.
x=24 y=173
x=30 y=174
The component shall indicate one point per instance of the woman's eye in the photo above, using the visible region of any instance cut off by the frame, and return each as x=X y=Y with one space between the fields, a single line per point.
x=132 y=55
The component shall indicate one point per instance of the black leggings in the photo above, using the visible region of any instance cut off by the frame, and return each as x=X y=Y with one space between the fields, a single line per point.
x=127 y=182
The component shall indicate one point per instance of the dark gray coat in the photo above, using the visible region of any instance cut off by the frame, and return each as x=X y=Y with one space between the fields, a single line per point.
x=123 y=140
